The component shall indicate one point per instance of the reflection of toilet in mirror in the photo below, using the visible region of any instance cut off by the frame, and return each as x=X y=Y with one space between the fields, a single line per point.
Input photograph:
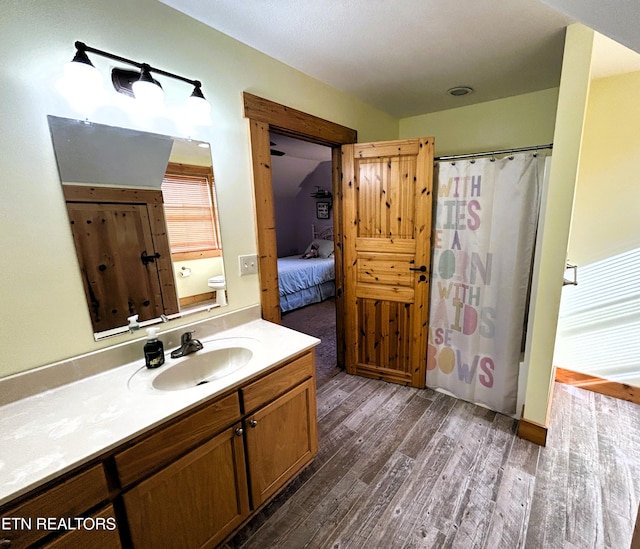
x=218 y=283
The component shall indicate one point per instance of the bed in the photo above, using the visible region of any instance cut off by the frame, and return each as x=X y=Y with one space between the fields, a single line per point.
x=305 y=281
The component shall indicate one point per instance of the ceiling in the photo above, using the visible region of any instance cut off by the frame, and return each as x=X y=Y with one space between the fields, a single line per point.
x=619 y=20
x=299 y=160
x=402 y=61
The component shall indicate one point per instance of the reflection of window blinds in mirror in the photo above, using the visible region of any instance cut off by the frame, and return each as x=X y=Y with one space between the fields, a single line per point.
x=188 y=208
x=599 y=321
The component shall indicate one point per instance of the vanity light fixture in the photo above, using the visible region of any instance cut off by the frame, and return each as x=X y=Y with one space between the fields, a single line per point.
x=146 y=88
x=81 y=72
x=139 y=84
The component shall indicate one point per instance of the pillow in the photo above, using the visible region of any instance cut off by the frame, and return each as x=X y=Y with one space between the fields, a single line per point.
x=325 y=248
x=312 y=251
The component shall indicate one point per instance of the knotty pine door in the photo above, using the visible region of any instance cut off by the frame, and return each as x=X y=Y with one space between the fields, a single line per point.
x=112 y=228
x=387 y=195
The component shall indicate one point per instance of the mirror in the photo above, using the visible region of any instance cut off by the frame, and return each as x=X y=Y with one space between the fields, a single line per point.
x=143 y=213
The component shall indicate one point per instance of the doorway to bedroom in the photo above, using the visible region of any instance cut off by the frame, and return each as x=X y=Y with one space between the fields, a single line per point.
x=266 y=118
x=303 y=210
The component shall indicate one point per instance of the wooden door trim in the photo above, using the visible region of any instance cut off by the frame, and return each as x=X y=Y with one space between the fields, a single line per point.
x=296 y=123
x=266 y=116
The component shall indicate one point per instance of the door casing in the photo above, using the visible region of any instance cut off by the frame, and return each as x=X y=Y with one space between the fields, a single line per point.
x=266 y=116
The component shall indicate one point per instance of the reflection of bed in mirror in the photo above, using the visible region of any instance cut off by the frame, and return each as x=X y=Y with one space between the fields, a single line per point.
x=303 y=281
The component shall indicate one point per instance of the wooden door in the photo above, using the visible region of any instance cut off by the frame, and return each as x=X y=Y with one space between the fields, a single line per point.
x=112 y=229
x=281 y=438
x=194 y=502
x=387 y=194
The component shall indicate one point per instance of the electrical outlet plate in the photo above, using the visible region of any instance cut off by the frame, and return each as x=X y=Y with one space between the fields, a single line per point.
x=248 y=264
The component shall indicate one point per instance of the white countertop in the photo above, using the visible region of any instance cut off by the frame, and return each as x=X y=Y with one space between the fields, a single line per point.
x=50 y=433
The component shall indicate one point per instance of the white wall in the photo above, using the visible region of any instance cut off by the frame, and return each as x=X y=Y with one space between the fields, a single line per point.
x=44 y=316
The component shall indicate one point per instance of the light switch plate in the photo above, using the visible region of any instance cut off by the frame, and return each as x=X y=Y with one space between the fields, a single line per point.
x=248 y=264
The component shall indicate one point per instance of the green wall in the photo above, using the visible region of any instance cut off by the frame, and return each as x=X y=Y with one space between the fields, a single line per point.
x=606 y=220
x=518 y=121
x=44 y=316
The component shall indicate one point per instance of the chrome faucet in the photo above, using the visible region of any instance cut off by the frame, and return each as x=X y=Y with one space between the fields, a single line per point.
x=187 y=346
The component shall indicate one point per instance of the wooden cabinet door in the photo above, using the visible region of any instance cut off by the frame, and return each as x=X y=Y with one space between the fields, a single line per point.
x=194 y=502
x=386 y=191
x=281 y=438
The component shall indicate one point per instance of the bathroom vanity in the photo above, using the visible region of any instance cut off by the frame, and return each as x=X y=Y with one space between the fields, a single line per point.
x=183 y=468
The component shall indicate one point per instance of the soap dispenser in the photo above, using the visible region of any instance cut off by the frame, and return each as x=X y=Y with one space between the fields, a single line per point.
x=153 y=349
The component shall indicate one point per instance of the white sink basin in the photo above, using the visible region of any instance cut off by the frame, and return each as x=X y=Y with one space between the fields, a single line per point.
x=217 y=359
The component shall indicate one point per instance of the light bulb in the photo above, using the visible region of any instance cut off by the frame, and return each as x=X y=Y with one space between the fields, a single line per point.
x=82 y=77
x=198 y=108
x=147 y=90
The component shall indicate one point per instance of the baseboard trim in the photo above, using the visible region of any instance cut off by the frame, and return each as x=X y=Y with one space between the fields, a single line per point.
x=598 y=385
x=199 y=298
x=532 y=432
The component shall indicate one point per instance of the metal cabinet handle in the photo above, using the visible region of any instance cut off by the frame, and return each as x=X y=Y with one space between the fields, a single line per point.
x=239 y=431
x=253 y=423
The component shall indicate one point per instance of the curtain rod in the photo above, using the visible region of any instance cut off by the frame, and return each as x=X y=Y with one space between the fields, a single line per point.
x=493 y=153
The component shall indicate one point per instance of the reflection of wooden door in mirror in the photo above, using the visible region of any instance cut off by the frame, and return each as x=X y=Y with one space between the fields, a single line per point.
x=121 y=244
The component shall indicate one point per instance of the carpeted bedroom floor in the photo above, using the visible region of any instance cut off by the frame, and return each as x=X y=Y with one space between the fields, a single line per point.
x=318 y=320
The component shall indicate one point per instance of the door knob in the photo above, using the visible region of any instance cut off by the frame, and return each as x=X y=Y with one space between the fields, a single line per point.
x=422 y=268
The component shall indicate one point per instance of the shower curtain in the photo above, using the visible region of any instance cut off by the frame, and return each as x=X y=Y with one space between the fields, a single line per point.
x=485 y=222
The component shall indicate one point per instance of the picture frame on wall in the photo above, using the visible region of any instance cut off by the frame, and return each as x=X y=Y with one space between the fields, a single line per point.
x=322 y=210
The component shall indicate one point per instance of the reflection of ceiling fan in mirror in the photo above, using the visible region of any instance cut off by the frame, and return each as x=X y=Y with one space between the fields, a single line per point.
x=275 y=152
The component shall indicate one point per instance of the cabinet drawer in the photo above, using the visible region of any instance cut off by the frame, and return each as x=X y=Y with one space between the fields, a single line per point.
x=171 y=442
x=99 y=532
x=69 y=499
x=277 y=383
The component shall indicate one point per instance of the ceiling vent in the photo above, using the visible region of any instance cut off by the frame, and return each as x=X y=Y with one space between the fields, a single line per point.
x=459 y=91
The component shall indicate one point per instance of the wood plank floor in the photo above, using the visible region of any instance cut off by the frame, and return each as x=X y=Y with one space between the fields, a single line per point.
x=401 y=468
